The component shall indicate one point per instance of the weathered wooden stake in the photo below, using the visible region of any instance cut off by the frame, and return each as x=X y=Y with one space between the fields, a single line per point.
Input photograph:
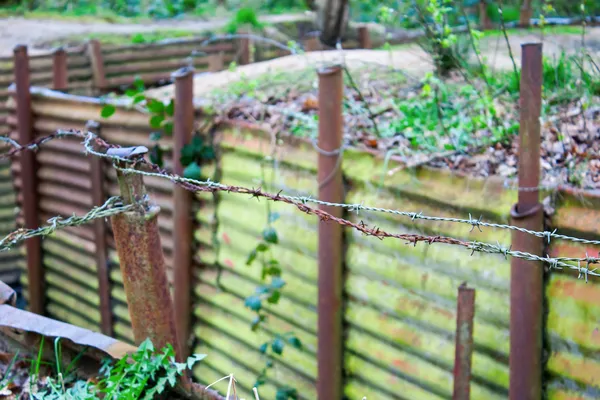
x=97 y=61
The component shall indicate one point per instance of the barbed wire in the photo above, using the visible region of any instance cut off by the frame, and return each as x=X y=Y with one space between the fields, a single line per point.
x=300 y=202
x=111 y=207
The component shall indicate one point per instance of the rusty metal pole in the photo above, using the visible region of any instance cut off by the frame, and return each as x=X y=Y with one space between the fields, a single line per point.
x=526 y=279
x=331 y=188
x=29 y=180
x=142 y=261
x=525 y=15
x=312 y=44
x=182 y=199
x=97 y=62
x=100 y=237
x=60 y=80
x=244 y=49
x=364 y=38
x=215 y=62
x=463 y=351
x=484 y=20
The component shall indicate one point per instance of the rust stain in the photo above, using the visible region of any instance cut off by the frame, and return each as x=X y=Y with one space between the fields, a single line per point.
x=226 y=239
x=577 y=290
x=424 y=279
x=405 y=366
x=407 y=336
x=229 y=263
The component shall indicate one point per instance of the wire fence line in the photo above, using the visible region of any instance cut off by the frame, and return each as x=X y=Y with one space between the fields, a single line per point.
x=300 y=202
x=111 y=207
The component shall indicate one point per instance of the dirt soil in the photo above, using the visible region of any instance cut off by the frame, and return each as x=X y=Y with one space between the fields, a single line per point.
x=411 y=59
x=14 y=31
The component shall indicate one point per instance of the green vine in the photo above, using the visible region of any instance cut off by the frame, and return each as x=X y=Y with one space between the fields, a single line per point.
x=160 y=119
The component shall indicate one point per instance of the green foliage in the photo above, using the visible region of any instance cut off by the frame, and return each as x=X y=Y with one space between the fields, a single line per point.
x=161 y=119
x=244 y=16
x=144 y=374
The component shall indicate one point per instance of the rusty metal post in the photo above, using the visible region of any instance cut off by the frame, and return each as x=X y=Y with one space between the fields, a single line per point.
x=244 y=49
x=182 y=199
x=215 y=62
x=463 y=351
x=526 y=279
x=100 y=236
x=29 y=180
x=312 y=44
x=142 y=261
x=525 y=15
x=330 y=335
x=484 y=19
x=60 y=80
x=364 y=38
x=97 y=62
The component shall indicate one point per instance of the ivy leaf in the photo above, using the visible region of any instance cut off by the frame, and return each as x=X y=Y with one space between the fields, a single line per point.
x=251 y=257
x=131 y=92
x=156 y=107
x=273 y=268
x=170 y=108
x=273 y=217
x=168 y=127
x=262 y=290
x=286 y=393
x=187 y=155
x=274 y=297
x=270 y=235
x=156 y=155
x=254 y=303
x=256 y=322
x=277 y=346
x=192 y=171
x=155 y=136
x=277 y=283
x=295 y=342
x=156 y=121
x=138 y=83
x=263 y=347
x=262 y=247
x=207 y=153
x=138 y=98
x=197 y=143
x=193 y=359
x=108 y=110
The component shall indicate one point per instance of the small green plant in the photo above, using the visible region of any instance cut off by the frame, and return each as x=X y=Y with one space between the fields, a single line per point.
x=141 y=375
x=244 y=16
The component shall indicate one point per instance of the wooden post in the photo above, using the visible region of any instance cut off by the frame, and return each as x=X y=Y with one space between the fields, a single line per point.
x=60 y=78
x=183 y=237
x=331 y=188
x=527 y=277
x=29 y=181
x=100 y=234
x=97 y=61
x=364 y=38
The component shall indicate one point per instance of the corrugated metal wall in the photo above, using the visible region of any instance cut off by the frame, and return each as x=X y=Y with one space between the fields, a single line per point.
x=400 y=316
x=574 y=305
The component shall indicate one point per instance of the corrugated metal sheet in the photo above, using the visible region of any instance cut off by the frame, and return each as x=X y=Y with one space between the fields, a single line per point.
x=400 y=316
x=574 y=305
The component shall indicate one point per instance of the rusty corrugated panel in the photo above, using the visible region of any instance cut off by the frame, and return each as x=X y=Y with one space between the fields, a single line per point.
x=573 y=305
